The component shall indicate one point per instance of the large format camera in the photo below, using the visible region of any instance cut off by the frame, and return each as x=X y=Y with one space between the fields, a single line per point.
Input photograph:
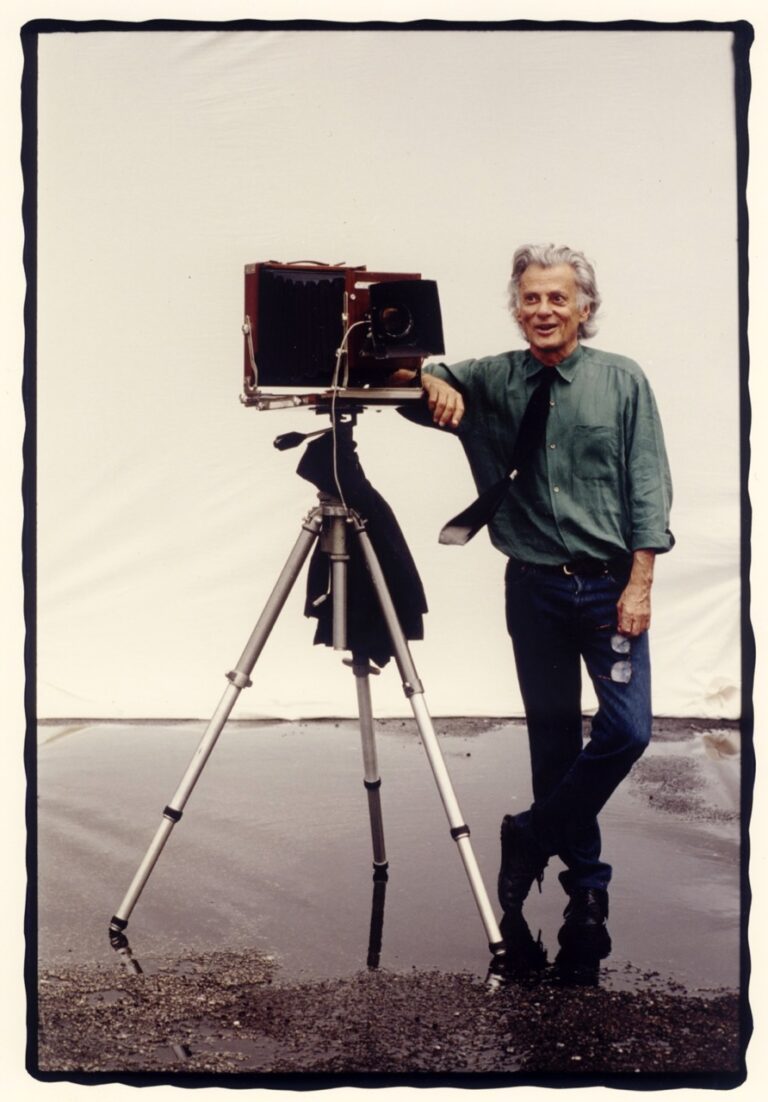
x=335 y=328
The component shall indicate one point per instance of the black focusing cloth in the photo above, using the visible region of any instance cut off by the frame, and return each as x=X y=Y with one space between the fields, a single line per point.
x=367 y=632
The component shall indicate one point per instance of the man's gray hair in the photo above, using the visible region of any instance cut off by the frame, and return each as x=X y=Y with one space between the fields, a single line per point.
x=549 y=256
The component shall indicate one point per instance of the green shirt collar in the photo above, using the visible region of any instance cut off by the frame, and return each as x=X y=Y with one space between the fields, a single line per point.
x=567 y=369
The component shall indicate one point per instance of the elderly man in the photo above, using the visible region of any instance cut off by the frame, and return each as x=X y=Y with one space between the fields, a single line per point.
x=581 y=527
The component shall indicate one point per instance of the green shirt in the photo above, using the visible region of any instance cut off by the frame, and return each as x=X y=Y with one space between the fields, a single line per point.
x=599 y=486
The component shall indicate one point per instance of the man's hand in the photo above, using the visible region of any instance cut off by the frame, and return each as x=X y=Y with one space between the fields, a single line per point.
x=445 y=402
x=634 y=605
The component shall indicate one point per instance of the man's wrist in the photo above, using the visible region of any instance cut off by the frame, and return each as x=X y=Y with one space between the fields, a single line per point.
x=641 y=573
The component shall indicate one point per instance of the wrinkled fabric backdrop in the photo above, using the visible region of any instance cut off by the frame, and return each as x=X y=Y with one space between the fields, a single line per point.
x=167 y=161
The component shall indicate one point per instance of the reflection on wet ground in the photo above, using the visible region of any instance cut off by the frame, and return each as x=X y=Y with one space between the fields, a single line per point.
x=577 y=962
x=274 y=848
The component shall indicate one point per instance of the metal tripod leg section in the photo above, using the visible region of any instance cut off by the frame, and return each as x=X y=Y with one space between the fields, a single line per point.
x=372 y=781
x=333 y=541
x=239 y=679
x=415 y=692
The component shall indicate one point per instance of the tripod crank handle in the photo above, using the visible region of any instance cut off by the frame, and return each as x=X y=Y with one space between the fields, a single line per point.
x=288 y=440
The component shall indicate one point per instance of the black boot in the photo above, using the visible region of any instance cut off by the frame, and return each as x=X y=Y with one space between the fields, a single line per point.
x=587 y=909
x=521 y=864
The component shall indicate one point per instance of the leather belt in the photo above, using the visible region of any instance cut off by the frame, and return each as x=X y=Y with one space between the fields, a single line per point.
x=586 y=568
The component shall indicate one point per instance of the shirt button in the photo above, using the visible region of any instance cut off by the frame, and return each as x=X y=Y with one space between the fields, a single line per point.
x=551 y=402
x=556 y=489
x=553 y=446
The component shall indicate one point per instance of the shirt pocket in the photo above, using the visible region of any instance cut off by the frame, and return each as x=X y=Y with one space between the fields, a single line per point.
x=596 y=453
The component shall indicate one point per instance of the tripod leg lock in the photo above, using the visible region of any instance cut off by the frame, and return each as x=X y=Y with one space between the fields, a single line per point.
x=172 y=814
x=239 y=680
x=460 y=832
x=372 y=785
x=412 y=688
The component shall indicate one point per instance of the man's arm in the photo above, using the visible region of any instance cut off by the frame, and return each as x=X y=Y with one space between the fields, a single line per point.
x=444 y=400
x=634 y=606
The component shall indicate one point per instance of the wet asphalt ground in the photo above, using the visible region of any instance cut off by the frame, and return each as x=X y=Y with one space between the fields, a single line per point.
x=263 y=947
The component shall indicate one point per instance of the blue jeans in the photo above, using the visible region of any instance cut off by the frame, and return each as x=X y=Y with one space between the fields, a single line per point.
x=554 y=621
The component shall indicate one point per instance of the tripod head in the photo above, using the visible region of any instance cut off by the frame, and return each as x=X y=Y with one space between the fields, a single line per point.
x=343 y=399
x=344 y=407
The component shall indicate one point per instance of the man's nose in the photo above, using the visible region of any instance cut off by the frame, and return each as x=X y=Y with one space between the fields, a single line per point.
x=543 y=307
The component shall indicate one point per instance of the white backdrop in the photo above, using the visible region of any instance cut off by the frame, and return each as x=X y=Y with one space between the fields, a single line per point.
x=169 y=160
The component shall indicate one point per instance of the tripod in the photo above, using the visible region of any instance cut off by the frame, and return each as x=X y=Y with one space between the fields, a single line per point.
x=332 y=523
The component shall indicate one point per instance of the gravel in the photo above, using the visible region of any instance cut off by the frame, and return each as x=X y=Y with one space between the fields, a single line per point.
x=225 y=1014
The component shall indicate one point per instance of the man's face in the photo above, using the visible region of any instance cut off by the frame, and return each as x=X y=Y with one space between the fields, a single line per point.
x=549 y=311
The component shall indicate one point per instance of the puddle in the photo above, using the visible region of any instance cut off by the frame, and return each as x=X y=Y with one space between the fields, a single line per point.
x=274 y=854
x=257 y=1050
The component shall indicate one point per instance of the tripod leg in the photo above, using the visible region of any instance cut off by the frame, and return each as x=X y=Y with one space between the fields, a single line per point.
x=239 y=679
x=415 y=692
x=372 y=781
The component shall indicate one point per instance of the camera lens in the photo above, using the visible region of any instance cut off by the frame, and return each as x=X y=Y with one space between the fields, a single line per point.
x=396 y=321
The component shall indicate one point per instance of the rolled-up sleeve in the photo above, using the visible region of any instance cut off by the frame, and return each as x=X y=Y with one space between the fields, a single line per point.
x=649 y=480
x=458 y=374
